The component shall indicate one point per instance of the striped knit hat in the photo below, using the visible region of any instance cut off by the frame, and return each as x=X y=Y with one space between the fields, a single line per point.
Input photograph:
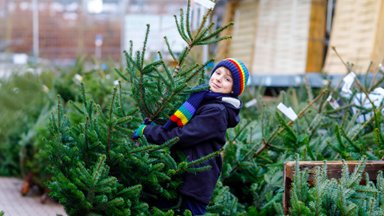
x=239 y=73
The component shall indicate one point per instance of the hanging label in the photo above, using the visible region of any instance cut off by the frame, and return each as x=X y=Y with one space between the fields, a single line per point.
x=333 y=102
x=288 y=111
x=348 y=81
x=250 y=103
x=379 y=90
x=206 y=3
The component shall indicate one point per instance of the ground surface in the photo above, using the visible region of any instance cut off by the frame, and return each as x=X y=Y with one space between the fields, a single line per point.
x=13 y=204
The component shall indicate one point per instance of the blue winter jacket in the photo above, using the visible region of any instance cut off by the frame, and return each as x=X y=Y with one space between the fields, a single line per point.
x=204 y=134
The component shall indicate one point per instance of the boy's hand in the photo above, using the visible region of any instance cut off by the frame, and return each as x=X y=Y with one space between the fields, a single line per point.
x=139 y=132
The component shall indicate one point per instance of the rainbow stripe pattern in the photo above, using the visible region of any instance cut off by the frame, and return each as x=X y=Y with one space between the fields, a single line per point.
x=186 y=111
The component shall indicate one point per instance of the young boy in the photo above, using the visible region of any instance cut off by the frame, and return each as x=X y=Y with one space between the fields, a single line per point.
x=201 y=124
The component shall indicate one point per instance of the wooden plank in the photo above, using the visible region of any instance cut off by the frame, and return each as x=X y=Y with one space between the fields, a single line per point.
x=315 y=50
x=244 y=31
x=357 y=34
x=223 y=46
x=377 y=54
x=282 y=36
x=334 y=170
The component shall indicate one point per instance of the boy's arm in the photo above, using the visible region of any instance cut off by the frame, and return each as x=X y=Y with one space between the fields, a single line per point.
x=209 y=123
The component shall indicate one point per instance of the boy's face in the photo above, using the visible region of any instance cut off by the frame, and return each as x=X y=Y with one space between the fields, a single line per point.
x=221 y=81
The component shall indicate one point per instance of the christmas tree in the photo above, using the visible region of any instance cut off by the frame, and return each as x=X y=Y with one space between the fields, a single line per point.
x=95 y=167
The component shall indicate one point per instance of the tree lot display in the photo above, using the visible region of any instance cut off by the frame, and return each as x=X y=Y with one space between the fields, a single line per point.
x=91 y=165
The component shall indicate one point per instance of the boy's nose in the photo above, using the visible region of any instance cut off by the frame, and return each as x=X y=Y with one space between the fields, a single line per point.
x=219 y=78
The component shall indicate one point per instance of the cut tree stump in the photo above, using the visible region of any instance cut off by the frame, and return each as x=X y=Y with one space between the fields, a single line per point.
x=334 y=169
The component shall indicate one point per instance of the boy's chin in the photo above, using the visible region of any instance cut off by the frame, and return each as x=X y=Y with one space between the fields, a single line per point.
x=217 y=91
x=214 y=90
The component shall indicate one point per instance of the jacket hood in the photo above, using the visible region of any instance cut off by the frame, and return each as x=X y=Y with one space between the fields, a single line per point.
x=233 y=106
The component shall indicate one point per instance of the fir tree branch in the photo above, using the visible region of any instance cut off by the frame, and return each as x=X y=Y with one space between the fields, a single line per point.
x=341 y=59
x=169 y=49
x=203 y=159
x=217 y=32
x=86 y=159
x=266 y=143
x=121 y=99
x=166 y=101
x=167 y=72
x=197 y=39
x=110 y=124
x=142 y=101
x=84 y=97
x=59 y=112
x=144 y=46
x=202 y=24
x=201 y=68
x=214 y=40
x=188 y=40
x=187 y=19
x=121 y=74
x=180 y=30
x=241 y=130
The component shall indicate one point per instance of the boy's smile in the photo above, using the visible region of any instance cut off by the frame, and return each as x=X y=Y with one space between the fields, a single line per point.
x=221 y=81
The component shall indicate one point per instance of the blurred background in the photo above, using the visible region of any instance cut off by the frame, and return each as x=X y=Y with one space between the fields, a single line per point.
x=273 y=37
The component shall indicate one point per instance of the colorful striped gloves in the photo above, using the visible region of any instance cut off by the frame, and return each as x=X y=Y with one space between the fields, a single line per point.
x=140 y=130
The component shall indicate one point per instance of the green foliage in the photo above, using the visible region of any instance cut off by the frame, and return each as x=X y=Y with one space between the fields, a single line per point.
x=94 y=190
x=28 y=99
x=159 y=87
x=224 y=202
x=24 y=99
x=91 y=161
x=88 y=139
x=336 y=197
x=257 y=149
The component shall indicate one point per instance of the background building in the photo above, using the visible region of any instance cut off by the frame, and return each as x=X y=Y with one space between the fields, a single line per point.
x=273 y=37
x=288 y=37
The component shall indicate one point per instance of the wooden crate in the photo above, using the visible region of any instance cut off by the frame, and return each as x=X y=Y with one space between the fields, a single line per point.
x=334 y=170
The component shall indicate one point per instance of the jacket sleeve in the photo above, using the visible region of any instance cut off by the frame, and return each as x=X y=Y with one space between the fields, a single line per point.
x=210 y=122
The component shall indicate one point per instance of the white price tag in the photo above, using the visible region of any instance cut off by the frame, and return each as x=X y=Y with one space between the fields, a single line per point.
x=250 y=103
x=333 y=102
x=379 y=91
x=288 y=111
x=348 y=81
x=206 y=3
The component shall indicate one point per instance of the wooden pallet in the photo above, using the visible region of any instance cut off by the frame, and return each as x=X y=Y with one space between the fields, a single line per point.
x=334 y=170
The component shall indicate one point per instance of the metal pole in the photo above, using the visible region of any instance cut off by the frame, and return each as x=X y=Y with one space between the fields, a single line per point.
x=205 y=47
x=35 y=29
